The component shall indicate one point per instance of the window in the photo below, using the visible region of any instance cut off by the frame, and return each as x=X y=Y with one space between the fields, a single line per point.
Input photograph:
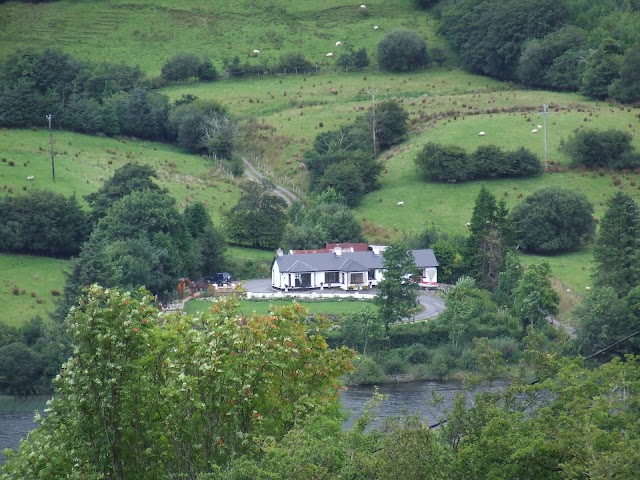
x=332 y=277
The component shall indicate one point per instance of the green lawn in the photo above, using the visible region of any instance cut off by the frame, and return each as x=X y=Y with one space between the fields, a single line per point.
x=263 y=307
x=26 y=286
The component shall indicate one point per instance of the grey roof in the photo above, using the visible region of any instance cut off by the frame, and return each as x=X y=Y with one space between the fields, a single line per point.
x=347 y=262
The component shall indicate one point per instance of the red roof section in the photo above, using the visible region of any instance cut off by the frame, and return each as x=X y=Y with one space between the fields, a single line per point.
x=329 y=247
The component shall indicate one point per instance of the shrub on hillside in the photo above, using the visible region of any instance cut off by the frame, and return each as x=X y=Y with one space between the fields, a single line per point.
x=450 y=163
x=180 y=66
x=294 y=62
x=553 y=219
x=596 y=148
x=402 y=51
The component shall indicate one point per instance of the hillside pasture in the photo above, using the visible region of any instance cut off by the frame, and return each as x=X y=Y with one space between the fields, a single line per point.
x=147 y=33
x=29 y=286
x=84 y=162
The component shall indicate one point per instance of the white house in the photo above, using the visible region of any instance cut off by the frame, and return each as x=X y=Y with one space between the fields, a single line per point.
x=343 y=268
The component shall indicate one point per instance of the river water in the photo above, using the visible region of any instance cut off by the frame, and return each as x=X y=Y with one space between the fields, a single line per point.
x=400 y=398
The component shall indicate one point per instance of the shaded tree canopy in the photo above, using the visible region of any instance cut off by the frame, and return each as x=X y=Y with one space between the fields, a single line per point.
x=617 y=248
x=402 y=51
x=131 y=177
x=325 y=219
x=259 y=217
x=553 y=219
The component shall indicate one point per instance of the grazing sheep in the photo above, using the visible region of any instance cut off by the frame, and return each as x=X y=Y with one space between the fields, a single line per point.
x=481 y=134
x=31 y=177
x=539 y=126
x=588 y=289
x=338 y=44
x=535 y=130
x=375 y=27
x=256 y=52
x=363 y=8
x=400 y=204
x=329 y=55
x=467 y=224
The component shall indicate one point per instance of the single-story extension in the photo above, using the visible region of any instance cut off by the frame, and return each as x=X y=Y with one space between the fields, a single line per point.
x=345 y=266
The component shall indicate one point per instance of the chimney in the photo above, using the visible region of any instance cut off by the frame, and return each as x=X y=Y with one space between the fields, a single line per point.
x=279 y=252
x=338 y=251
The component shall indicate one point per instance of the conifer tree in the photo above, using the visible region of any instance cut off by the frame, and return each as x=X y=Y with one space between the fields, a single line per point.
x=617 y=249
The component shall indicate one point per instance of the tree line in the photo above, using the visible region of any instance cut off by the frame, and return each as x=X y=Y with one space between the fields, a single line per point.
x=589 y=47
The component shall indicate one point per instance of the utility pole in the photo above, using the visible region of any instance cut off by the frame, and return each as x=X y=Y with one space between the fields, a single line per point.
x=373 y=120
x=53 y=166
x=546 y=144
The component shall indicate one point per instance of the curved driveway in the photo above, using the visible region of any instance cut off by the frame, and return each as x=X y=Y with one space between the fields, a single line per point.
x=432 y=303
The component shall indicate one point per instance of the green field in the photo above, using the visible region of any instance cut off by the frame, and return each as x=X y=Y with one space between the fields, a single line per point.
x=147 y=33
x=26 y=286
x=263 y=307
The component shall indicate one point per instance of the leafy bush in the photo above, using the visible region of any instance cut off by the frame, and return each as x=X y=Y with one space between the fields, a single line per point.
x=553 y=219
x=181 y=66
x=450 y=163
x=294 y=61
x=402 y=51
x=596 y=148
x=418 y=353
x=367 y=371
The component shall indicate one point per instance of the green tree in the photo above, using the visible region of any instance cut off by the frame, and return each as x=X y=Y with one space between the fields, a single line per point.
x=131 y=177
x=397 y=292
x=627 y=87
x=508 y=280
x=181 y=66
x=602 y=319
x=325 y=219
x=345 y=179
x=617 y=248
x=553 y=219
x=43 y=223
x=490 y=235
x=391 y=124
x=359 y=328
x=401 y=51
x=534 y=297
x=444 y=163
x=146 y=398
x=259 y=217
x=596 y=148
x=20 y=369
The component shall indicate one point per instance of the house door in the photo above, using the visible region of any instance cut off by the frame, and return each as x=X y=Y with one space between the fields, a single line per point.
x=305 y=280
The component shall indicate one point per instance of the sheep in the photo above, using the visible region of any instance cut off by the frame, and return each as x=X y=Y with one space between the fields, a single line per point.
x=400 y=204
x=256 y=52
x=329 y=55
x=588 y=289
x=375 y=27
x=535 y=130
x=31 y=177
x=482 y=134
x=338 y=44
x=539 y=126
x=468 y=224
x=363 y=8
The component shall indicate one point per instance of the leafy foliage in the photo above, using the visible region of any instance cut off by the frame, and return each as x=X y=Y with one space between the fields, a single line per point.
x=42 y=223
x=259 y=218
x=325 y=219
x=450 y=163
x=595 y=148
x=553 y=219
x=182 y=66
x=141 y=400
x=534 y=297
x=397 y=292
x=617 y=248
x=402 y=51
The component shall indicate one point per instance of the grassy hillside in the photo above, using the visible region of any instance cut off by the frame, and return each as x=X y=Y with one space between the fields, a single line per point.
x=83 y=163
x=26 y=286
x=148 y=32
